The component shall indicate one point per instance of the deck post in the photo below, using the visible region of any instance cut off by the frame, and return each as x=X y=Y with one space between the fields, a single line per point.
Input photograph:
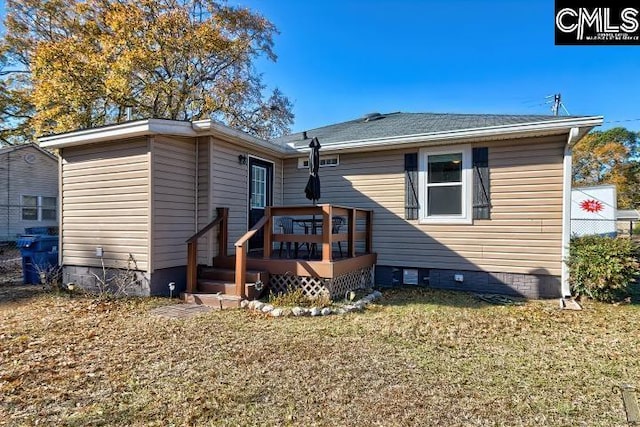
x=369 y=234
x=268 y=234
x=353 y=223
x=327 y=233
x=192 y=266
x=241 y=268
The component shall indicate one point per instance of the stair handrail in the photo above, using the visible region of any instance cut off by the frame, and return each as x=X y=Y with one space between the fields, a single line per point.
x=252 y=231
x=208 y=227
x=222 y=215
x=241 y=251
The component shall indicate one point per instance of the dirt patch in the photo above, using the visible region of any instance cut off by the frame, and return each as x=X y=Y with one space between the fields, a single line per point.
x=12 y=291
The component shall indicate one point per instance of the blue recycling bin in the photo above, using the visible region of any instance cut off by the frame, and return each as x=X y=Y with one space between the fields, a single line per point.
x=39 y=254
x=49 y=231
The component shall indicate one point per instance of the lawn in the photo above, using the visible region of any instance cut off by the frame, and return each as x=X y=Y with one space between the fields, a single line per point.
x=418 y=357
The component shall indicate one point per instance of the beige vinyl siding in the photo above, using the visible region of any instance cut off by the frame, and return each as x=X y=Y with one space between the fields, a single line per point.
x=174 y=202
x=522 y=236
x=106 y=203
x=21 y=178
x=229 y=181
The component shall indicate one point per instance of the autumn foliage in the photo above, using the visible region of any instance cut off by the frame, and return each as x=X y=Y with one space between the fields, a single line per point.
x=609 y=157
x=69 y=65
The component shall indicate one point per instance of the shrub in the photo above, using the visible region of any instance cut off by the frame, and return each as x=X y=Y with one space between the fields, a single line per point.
x=295 y=296
x=603 y=268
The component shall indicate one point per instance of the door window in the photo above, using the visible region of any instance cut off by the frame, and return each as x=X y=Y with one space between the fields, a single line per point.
x=258 y=187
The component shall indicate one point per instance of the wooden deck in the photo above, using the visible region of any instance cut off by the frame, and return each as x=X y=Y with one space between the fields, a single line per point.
x=333 y=227
x=303 y=267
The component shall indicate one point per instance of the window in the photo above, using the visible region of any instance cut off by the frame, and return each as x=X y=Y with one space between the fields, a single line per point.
x=325 y=161
x=39 y=208
x=444 y=180
x=48 y=208
x=258 y=187
x=30 y=208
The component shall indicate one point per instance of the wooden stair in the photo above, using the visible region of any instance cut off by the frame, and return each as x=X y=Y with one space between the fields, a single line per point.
x=216 y=287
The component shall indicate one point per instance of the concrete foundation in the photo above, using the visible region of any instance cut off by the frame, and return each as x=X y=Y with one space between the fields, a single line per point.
x=533 y=286
x=141 y=283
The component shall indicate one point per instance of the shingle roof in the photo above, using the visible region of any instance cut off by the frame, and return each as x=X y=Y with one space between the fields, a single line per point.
x=403 y=124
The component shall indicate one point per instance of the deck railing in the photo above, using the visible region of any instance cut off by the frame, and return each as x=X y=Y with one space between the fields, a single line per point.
x=241 y=253
x=325 y=214
x=221 y=221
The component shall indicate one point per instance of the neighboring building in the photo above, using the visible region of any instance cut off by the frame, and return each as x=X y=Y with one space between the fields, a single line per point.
x=470 y=202
x=627 y=215
x=28 y=190
x=627 y=222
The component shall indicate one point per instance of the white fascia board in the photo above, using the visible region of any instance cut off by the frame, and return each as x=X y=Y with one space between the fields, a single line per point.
x=158 y=127
x=213 y=128
x=119 y=131
x=466 y=135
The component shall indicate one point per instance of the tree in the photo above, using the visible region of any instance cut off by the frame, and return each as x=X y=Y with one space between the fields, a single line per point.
x=70 y=65
x=609 y=157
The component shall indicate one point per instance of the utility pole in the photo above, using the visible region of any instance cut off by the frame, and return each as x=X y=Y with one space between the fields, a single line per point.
x=556 y=104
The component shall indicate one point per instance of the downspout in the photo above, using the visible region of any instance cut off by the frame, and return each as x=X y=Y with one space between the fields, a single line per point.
x=197 y=177
x=282 y=182
x=9 y=196
x=566 y=209
x=60 y=208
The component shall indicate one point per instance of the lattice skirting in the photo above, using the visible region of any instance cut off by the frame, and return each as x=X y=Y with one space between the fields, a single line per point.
x=313 y=287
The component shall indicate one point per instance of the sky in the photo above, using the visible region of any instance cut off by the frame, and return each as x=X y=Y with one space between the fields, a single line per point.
x=338 y=60
x=341 y=59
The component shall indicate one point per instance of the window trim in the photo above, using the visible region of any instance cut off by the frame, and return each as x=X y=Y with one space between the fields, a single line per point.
x=38 y=207
x=302 y=160
x=467 y=169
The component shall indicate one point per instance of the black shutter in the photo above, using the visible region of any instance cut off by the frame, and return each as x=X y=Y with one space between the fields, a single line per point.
x=411 y=206
x=481 y=190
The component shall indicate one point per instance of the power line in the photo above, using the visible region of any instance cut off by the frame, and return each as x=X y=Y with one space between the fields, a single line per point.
x=623 y=121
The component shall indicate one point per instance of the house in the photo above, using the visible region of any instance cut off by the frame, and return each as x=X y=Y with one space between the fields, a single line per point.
x=458 y=201
x=627 y=215
x=28 y=190
x=627 y=220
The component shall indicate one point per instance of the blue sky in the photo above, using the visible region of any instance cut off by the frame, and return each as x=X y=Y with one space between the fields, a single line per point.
x=338 y=60
x=341 y=59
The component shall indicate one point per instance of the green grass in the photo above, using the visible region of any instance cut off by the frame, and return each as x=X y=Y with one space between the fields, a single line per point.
x=419 y=357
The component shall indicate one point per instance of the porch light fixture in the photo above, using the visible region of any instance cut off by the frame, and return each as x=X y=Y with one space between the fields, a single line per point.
x=242 y=159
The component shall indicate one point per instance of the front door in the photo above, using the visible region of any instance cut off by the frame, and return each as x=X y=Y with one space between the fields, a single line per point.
x=260 y=195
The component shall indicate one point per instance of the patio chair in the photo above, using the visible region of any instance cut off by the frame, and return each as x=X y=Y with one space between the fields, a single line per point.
x=337 y=222
x=286 y=225
x=309 y=228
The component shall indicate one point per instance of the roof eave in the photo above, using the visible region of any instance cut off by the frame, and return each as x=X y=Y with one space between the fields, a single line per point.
x=119 y=131
x=522 y=130
x=213 y=128
x=158 y=127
